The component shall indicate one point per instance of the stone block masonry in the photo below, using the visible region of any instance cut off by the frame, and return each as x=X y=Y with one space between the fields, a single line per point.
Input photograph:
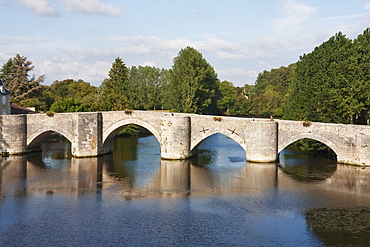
x=92 y=133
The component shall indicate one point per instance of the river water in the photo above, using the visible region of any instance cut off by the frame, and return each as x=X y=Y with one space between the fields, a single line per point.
x=133 y=198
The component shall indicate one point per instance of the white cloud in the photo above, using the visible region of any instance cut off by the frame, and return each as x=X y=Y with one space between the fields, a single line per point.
x=61 y=70
x=295 y=14
x=240 y=76
x=40 y=7
x=367 y=6
x=150 y=64
x=91 y=72
x=3 y=2
x=92 y=7
x=238 y=72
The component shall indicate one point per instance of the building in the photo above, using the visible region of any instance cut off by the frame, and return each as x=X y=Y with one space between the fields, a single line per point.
x=7 y=107
x=5 y=100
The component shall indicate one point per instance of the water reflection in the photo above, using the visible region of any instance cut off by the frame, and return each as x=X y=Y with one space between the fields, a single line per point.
x=171 y=178
x=175 y=178
x=307 y=166
x=263 y=203
x=134 y=175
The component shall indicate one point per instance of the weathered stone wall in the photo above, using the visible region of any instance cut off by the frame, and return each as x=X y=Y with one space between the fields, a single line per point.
x=87 y=134
x=205 y=126
x=13 y=134
x=351 y=143
x=113 y=121
x=175 y=131
x=92 y=133
x=38 y=124
x=262 y=141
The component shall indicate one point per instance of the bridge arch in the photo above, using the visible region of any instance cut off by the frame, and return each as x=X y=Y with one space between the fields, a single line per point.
x=319 y=138
x=202 y=136
x=40 y=134
x=111 y=131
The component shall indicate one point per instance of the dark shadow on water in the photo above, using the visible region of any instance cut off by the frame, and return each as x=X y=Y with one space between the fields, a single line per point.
x=307 y=166
x=340 y=226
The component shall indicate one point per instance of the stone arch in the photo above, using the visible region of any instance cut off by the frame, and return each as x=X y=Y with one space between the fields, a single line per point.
x=109 y=133
x=202 y=136
x=319 y=138
x=37 y=136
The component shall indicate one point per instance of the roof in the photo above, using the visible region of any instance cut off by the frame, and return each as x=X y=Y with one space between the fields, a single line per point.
x=17 y=109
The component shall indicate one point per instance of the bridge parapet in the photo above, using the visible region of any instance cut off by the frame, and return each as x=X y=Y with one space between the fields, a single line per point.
x=38 y=124
x=92 y=133
x=351 y=143
x=204 y=126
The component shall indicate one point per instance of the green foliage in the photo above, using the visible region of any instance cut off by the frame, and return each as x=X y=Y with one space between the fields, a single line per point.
x=66 y=105
x=310 y=145
x=131 y=129
x=16 y=72
x=331 y=84
x=270 y=91
x=193 y=85
x=34 y=102
x=115 y=92
x=228 y=97
x=146 y=91
x=6 y=70
x=71 y=96
x=50 y=113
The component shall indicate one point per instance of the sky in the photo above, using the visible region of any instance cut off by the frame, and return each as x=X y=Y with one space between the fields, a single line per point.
x=79 y=39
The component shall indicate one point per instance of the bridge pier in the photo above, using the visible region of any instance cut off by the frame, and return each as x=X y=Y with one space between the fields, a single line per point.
x=13 y=134
x=87 y=138
x=262 y=141
x=175 y=144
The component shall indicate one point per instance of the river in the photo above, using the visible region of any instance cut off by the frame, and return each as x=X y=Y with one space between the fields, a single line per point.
x=133 y=198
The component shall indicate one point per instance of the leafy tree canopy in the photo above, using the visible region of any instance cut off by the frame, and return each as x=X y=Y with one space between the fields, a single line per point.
x=17 y=79
x=193 y=86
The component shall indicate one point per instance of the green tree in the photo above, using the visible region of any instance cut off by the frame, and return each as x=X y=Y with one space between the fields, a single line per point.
x=243 y=103
x=360 y=89
x=193 y=85
x=115 y=92
x=147 y=86
x=17 y=79
x=323 y=86
x=165 y=89
x=79 y=92
x=6 y=70
x=270 y=91
x=228 y=97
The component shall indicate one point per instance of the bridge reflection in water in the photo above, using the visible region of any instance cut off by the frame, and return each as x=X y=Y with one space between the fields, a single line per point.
x=24 y=175
x=217 y=195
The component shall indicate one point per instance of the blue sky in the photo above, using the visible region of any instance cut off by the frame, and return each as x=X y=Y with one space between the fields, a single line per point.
x=79 y=39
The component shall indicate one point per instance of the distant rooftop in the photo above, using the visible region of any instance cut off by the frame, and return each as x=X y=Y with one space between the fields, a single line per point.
x=17 y=109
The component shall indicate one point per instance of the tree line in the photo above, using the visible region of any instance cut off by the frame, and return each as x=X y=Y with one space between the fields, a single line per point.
x=330 y=84
x=190 y=86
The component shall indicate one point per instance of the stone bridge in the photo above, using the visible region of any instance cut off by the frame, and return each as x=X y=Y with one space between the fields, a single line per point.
x=92 y=133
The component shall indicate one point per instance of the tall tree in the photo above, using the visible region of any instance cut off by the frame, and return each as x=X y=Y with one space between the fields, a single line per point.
x=6 y=70
x=360 y=89
x=193 y=84
x=17 y=80
x=322 y=88
x=147 y=86
x=115 y=93
x=228 y=97
x=271 y=90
